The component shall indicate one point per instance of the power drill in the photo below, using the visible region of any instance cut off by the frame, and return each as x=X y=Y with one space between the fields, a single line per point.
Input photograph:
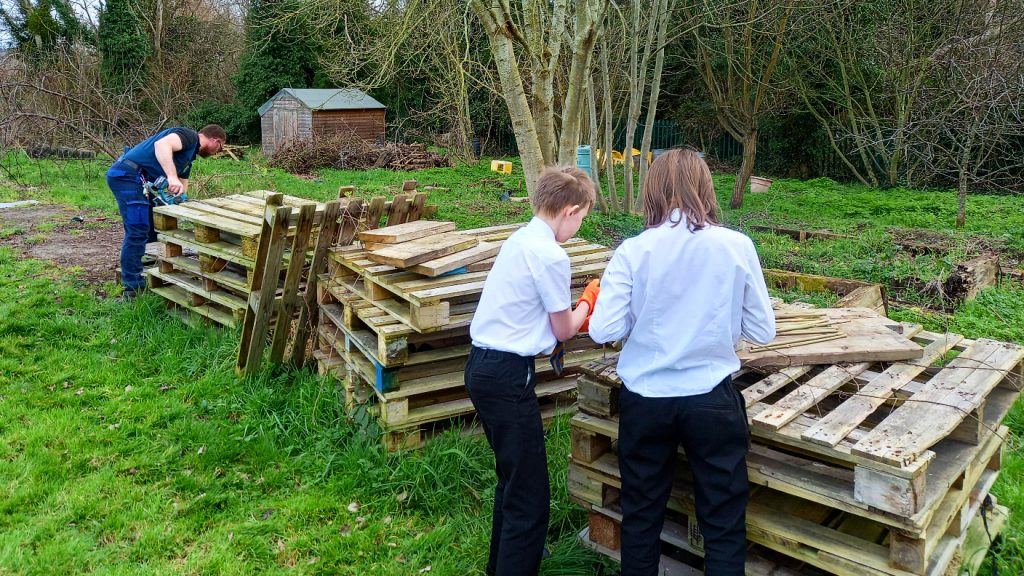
x=157 y=191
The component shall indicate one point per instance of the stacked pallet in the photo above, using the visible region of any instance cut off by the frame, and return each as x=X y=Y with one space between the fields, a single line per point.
x=394 y=326
x=856 y=468
x=207 y=267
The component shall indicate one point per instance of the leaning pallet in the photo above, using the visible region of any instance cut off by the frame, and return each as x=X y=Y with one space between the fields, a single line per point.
x=266 y=313
x=397 y=338
x=857 y=468
x=222 y=238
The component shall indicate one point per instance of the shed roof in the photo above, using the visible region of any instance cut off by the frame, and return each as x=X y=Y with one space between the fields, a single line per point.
x=326 y=99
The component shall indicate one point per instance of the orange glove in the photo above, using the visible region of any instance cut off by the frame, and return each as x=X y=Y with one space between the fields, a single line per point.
x=589 y=296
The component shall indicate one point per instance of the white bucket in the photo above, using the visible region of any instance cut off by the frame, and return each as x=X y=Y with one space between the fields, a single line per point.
x=759 y=184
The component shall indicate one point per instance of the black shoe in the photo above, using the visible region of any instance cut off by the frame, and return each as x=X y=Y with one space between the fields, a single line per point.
x=546 y=553
x=131 y=294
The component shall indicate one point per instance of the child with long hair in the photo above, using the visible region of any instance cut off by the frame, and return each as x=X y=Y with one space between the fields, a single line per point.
x=682 y=293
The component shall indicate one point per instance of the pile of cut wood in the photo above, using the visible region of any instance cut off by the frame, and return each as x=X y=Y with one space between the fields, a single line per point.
x=350 y=152
x=871 y=453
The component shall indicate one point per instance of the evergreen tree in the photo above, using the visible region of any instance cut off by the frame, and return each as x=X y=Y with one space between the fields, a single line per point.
x=39 y=29
x=278 y=55
x=124 y=45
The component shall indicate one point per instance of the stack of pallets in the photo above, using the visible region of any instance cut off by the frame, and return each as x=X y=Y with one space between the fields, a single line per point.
x=397 y=337
x=206 y=267
x=856 y=468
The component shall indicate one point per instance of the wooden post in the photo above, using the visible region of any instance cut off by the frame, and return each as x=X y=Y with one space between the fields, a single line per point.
x=374 y=212
x=308 y=313
x=264 y=285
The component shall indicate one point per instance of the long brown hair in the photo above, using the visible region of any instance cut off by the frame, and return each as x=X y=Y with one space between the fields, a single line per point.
x=680 y=179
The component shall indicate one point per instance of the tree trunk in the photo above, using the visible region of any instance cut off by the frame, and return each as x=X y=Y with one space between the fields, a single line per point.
x=530 y=153
x=652 y=104
x=579 y=72
x=962 y=180
x=594 y=140
x=609 y=129
x=746 y=167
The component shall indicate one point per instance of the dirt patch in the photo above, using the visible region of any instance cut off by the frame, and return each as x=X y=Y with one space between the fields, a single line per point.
x=87 y=240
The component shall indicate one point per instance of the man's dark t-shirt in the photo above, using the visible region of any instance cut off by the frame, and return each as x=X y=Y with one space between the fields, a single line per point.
x=144 y=154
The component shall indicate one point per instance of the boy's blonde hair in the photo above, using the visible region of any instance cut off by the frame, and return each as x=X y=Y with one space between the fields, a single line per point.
x=680 y=179
x=561 y=186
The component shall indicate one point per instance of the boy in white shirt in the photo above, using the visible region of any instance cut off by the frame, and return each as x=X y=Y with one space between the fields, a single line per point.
x=525 y=311
x=683 y=292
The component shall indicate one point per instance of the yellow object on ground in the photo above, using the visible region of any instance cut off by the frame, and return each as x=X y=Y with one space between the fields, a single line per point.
x=501 y=166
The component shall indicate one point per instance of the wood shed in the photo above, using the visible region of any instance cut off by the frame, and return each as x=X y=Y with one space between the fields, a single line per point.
x=299 y=113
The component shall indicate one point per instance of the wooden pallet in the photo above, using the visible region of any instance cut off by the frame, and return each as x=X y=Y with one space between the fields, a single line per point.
x=682 y=544
x=426 y=304
x=836 y=415
x=210 y=311
x=434 y=389
x=409 y=419
x=835 y=540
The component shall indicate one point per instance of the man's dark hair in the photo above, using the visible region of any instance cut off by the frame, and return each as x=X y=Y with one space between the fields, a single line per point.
x=214 y=131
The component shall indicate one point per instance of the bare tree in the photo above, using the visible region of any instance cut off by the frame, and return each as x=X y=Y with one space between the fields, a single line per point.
x=738 y=48
x=533 y=35
x=972 y=110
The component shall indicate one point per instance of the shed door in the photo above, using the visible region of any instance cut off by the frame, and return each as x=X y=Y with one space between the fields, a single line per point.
x=286 y=126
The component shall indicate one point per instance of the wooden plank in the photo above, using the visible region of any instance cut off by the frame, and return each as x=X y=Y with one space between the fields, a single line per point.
x=939 y=407
x=290 y=296
x=264 y=285
x=184 y=212
x=179 y=296
x=243 y=217
x=350 y=221
x=458 y=260
x=838 y=423
x=772 y=383
x=398 y=210
x=867 y=336
x=971 y=277
x=807 y=395
x=419 y=251
x=406 y=232
x=194 y=286
x=374 y=212
x=416 y=207
x=308 y=313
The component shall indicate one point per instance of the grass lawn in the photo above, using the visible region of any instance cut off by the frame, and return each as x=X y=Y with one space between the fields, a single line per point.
x=128 y=446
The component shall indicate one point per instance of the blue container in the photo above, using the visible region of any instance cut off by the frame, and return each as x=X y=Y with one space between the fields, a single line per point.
x=583 y=159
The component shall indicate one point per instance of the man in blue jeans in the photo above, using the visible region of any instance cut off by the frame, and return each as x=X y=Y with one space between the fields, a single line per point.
x=170 y=154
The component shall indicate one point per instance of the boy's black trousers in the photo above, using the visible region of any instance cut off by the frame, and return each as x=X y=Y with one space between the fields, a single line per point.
x=712 y=429
x=501 y=386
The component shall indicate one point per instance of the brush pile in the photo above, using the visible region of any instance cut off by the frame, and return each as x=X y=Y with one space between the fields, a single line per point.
x=350 y=152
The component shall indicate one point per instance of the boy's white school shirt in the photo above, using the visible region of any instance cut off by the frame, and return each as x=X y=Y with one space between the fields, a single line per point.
x=529 y=280
x=683 y=299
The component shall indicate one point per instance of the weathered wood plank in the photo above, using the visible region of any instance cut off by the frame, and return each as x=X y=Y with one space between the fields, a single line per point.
x=419 y=251
x=461 y=259
x=939 y=407
x=838 y=423
x=406 y=232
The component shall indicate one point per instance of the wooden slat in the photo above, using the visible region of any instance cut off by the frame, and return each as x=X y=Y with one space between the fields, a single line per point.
x=835 y=425
x=264 y=285
x=184 y=212
x=290 y=296
x=419 y=251
x=398 y=210
x=772 y=383
x=374 y=212
x=939 y=407
x=446 y=264
x=807 y=395
x=406 y=232
x=868 y=336
x=308 y=316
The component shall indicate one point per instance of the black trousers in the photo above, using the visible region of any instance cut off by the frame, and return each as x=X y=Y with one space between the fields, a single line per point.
x=501 y=386
x=712 y=429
